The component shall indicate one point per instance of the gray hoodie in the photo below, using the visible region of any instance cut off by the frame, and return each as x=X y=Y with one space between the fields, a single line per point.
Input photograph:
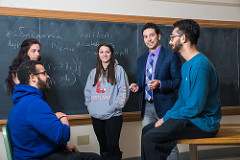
x=105 y=100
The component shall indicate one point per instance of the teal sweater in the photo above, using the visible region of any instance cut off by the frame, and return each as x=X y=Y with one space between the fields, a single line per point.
x=199 y=99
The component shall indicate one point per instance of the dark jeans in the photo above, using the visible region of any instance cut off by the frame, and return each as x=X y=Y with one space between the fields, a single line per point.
x=157 y=143
x=61 y=155
x=108 y=133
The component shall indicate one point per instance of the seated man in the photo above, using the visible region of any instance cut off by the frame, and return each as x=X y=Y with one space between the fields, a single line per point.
x=197 y=112
x=35 y=131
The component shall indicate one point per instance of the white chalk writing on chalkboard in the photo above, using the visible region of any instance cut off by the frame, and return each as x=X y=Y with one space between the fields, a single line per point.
x=74 y=55
x=66 y=79
x=27 y=33
x=15 y=45
x=95 y=35
x=88 y=44
x=68 y=70
x=116 y=52
x=122 y=53
x=61 y=48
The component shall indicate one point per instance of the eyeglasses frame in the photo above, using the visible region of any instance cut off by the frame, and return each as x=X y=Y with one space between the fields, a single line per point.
x=44 y=73
x=174 y=35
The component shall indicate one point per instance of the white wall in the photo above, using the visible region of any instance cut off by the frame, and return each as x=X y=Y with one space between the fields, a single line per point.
x=155 y=8
x=131 y=132
x=129 y=140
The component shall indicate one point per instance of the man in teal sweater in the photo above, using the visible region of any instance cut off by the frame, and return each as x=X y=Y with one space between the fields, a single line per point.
x=197 y=112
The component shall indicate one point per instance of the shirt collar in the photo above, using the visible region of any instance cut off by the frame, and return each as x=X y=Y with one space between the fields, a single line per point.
x=157 y=51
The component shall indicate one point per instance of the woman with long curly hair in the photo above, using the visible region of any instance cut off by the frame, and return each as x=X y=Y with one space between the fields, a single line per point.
x=29 y=50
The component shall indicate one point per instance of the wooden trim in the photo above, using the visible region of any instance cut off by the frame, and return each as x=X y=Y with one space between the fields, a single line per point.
x=77 y=120
x=229 y=134
x=7 y=11
x=2 y=122
x=230 y=110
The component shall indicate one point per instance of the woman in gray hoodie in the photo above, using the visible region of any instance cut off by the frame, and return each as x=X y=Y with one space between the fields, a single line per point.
x=106 y=92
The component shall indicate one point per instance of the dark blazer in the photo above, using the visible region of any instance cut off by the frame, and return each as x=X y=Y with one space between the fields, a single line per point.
x=168 y=71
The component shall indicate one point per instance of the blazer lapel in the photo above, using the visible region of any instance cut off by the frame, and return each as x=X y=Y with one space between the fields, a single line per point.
x=159 y=61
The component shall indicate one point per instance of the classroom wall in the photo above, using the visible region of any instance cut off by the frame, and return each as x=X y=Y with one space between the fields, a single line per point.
x=155 y=8
x=131 y=132
x=129 y=140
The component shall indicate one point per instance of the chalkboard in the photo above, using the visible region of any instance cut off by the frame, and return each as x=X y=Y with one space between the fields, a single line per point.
x=69 y=49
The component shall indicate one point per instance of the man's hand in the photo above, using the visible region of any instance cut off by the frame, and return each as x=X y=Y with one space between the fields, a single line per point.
x=153 y=84
x=71 y=148
x=64 y=120
x=159 y=123
x=134 y=87
x=60 y=114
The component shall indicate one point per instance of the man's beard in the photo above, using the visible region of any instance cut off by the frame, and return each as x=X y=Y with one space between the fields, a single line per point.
x=177 y=47
x=42 y=86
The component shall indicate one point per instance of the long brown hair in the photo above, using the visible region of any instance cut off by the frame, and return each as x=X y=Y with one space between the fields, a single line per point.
x=21 y=57
x=110 y=69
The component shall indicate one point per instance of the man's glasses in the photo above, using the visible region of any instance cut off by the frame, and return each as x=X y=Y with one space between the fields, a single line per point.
x=175 y=35
x=44 y=73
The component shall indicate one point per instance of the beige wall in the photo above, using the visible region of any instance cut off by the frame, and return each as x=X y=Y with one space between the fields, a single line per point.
x=131 y=132
x=129 y=140
x=155 y=8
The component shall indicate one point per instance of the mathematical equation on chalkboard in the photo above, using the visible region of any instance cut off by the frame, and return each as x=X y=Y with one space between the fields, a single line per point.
x=64 y=71
x=24 y=32
x=69 y=51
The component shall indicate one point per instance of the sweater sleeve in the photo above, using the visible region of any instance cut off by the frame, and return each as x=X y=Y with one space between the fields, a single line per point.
x=87 y=89
x=195 y=99
x=123 y=89
x=42 y=118
x=176 y=106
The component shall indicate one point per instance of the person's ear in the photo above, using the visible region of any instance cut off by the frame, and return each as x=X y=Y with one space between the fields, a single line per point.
x=159 y=36
x=33 y=78
x=184 y=38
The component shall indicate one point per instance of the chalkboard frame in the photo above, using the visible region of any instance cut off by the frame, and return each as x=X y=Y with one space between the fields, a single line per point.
x=132 y=116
